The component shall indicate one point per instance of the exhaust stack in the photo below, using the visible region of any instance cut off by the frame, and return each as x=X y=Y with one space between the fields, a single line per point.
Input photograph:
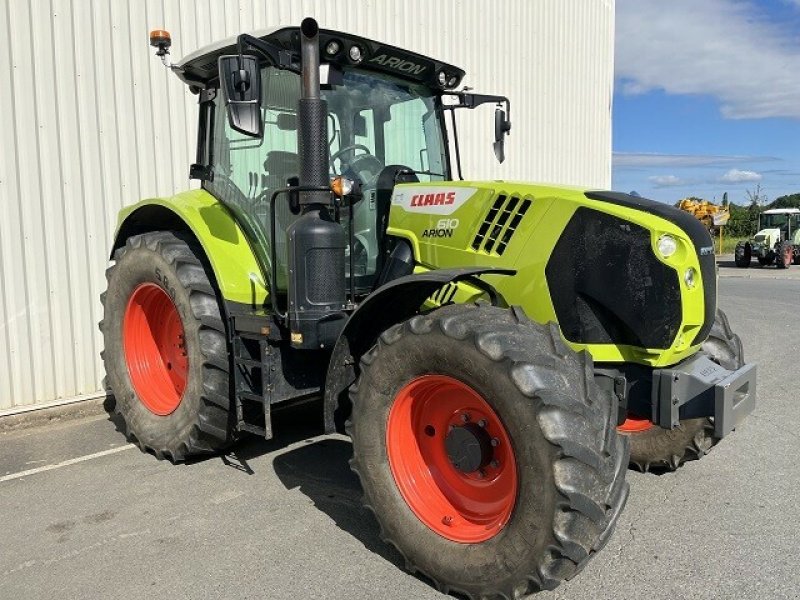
x=312 y=116
x=317 y=295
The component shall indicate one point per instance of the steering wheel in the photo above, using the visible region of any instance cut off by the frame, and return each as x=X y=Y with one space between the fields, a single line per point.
x=338 y=154
x=365 y=166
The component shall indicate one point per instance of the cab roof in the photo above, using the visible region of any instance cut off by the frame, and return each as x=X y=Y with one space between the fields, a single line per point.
x=782 y=211
x=200 y=67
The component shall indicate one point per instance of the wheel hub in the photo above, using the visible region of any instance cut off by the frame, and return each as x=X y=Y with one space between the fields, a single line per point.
x=155 y=349
x=451 y=458
x=469 y=447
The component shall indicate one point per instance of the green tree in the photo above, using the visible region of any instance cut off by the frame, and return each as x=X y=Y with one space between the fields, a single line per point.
x=788 y=201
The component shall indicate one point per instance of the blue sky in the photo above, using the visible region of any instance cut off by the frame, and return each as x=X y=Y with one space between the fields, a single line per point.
x=707 y=98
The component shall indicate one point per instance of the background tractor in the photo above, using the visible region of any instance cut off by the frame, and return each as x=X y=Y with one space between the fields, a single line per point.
x=777 y=241
x=481 y=342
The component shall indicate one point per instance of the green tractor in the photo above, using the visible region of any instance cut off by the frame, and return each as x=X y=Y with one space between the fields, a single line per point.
x=498 y=352
x=777 y=241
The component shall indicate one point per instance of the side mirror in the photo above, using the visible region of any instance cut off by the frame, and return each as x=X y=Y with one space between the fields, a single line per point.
x=240 y=82
x=501 y=128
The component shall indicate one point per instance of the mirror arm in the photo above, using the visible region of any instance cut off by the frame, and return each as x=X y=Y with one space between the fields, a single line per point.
x=277 y=56
x=468 y=100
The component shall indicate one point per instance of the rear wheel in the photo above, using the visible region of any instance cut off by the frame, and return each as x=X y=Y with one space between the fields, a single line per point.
x=165 y=351
x=783 y=255
x=655 y=448
x=486 y=451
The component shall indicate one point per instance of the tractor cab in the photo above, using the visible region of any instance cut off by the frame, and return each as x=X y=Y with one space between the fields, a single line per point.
x=385 y=125
x=782 y=224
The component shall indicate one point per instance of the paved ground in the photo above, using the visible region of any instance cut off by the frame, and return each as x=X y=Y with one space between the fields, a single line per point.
x=728 y=268
x=282 y=519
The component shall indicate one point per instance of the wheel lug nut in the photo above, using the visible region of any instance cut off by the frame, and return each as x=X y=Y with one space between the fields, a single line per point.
x=495 y=442
x=447 y=520
x=494 y=464
x=465 y=417
x=482 y=423
x=481 y=473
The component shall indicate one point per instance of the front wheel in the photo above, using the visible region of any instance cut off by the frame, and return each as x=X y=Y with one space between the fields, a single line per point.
x=743 y=255
x=655 y=448
x=486 y=451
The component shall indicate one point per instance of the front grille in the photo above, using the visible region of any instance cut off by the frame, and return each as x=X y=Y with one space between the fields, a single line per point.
x=698 y=234
x=608 y=287
x=502 y=220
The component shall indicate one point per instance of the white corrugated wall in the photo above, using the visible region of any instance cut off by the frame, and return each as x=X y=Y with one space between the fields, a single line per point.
x=90 y=121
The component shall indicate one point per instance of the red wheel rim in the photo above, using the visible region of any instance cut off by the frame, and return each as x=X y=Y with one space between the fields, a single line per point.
x=462 y=505
x=634 y=424
x=155 y=351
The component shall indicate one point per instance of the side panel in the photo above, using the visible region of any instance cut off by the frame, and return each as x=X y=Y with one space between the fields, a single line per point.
x=239 y=276
x=517 y=226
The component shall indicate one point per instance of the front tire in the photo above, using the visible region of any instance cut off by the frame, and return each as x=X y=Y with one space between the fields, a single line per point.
x=165 y=353
x=655 y=448
x=743 y=255
x=547 y=493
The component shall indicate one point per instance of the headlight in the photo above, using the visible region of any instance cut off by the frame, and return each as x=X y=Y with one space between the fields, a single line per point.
x=355 y=54
x=442 y=78
x=332 y=48
x=667 y=246
x=689 y=277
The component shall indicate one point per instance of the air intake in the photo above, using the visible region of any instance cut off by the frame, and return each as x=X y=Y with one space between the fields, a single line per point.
x=501 y=222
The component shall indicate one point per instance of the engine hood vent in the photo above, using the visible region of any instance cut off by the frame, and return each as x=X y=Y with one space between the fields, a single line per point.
x=500 y=223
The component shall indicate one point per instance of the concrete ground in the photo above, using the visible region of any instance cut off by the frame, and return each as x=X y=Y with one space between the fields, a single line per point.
x=83 y=515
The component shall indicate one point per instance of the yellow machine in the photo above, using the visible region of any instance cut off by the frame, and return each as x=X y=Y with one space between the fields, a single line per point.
x=710 y=214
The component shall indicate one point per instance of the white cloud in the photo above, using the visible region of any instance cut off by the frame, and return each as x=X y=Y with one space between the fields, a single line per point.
x=722 y=48
x=737 y=176
x=666 y=181
x=655 y=160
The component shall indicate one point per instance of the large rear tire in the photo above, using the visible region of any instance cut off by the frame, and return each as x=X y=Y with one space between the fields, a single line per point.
x=486 y=451
x=783 y=255
x=166 y=355
x=654 y=448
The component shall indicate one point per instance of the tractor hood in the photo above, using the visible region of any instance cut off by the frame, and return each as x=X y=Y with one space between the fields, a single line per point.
x=767 y=237
x=625 y=277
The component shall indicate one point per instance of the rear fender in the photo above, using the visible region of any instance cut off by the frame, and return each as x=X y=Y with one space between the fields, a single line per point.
x=390 y=304
x=238 y=274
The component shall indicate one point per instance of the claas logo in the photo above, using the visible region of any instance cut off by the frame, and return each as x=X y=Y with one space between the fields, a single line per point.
x=438 y=199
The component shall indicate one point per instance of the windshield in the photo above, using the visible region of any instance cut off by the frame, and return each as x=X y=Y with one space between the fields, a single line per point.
x=779 y=221
x=392 y=120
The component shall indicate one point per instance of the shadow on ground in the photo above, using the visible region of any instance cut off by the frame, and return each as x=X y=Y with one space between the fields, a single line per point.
x=319 y=468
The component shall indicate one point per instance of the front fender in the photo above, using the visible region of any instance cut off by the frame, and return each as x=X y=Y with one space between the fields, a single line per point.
x=390 y=304
x=239 y=276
